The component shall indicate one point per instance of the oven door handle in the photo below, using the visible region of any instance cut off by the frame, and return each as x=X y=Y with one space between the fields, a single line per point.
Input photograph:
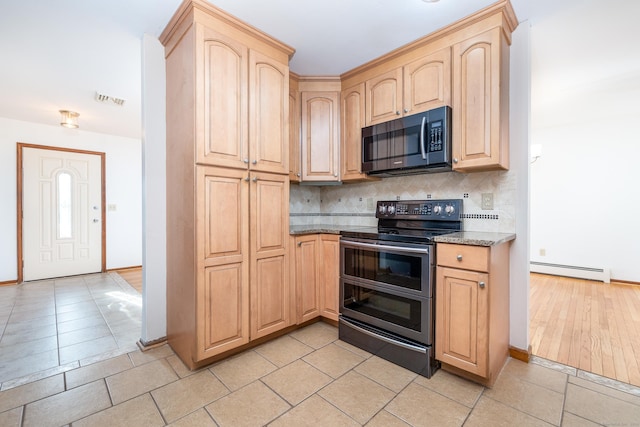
x=383 y=338
x=385 y=247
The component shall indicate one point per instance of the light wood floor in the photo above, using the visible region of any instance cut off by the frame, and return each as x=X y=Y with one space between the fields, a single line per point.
x=133 y=276
x=589 y=325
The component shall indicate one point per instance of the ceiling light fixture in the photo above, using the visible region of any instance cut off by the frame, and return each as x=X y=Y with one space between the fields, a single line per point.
x=69 y=119
x=431 y=1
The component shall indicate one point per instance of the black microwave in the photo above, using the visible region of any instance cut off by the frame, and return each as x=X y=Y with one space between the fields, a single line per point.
x=420 y=143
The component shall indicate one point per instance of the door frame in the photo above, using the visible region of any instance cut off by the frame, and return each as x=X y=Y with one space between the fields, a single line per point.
x=20 y=146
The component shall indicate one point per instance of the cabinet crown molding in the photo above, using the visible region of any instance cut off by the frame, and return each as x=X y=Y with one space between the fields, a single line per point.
x=188 y=6
x=499 y=14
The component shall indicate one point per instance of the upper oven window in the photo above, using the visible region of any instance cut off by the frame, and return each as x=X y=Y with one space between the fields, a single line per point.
x=387 y=265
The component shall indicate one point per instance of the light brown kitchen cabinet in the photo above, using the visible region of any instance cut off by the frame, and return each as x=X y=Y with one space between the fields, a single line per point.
x=307 y=260
x=472 y=309
x=317 y=263
x=480 y=132
x=352 y=103
x=269 y=271
x=320 y=129
x=217 y=289
x=417 y=86
x=244 y=117
x=295 y=173
x=329 y=275
x=227 y=183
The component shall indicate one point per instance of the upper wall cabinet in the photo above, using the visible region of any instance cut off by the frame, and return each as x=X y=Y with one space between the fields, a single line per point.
x=418 y=86
x=242 y=110
x=481 y=103
x=294 y=131
x=320 y=136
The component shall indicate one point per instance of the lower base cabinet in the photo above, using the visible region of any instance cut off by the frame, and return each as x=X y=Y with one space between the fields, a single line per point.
x=472 y=309
x=317 y=260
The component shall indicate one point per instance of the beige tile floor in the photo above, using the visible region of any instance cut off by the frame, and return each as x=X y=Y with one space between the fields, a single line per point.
x=305 y=378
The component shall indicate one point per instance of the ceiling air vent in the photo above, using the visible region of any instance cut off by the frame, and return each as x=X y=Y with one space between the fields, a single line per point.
x=101 y=97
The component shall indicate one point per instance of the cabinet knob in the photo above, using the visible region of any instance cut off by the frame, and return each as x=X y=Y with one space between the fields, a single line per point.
x=299 y=244
x=459 y=257
x=298 y=174
x=247 y=179
x=397 y=113
x=255 y=179
x=254 y=162
x=245 y=160
x=406 y=110
x=455 y=160
x=335 y=175
x=481 y=284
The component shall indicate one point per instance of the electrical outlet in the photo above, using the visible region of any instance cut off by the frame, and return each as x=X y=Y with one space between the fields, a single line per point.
x=112 y=208
x=487 y=201
x=370 y=205
x=543 y=252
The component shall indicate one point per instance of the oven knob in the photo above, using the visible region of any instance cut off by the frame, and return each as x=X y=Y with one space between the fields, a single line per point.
x=437 y=209
x=449 y=209
x=382 y=209
x=391 y=209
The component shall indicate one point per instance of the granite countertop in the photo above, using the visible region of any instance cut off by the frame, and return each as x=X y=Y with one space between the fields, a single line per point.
x=477 y=238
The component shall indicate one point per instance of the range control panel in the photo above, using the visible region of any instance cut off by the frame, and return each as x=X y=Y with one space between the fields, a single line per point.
x=448 y=209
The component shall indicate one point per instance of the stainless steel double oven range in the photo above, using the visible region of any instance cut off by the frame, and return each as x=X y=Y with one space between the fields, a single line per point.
x=387 y=281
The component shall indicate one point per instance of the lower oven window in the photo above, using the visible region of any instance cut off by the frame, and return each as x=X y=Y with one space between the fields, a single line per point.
x=398 y=310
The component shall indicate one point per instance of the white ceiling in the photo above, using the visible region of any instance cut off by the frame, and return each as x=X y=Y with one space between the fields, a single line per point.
x=58 y=54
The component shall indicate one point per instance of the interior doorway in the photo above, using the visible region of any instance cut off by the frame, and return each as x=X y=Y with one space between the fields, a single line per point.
x=61 y=212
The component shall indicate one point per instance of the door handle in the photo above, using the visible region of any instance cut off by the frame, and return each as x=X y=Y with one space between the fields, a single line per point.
x=423 y=149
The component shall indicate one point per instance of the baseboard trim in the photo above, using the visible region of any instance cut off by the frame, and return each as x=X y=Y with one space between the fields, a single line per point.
x=9 y=283
x=520 y=354
x=149 y=345
x=133 y=267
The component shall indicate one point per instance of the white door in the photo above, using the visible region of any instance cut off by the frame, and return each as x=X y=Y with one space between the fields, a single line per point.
x=62 y=213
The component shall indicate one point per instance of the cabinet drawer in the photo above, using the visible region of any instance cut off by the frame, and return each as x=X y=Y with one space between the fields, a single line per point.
x=463 y=256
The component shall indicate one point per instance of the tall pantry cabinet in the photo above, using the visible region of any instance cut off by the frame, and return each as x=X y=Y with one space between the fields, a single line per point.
x=227 y=183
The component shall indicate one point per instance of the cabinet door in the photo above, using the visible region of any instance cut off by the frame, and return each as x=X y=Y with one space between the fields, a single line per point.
x=320 y=136
x=329 y=275
x=307 y=290
x=352 y=115
x=462 y=328
x=222 y=298
x=427 y=82
x=294 y=134
x=221 y=102
x=480 y=103
x=268 y=114
x=269 y=231
x=384 y=97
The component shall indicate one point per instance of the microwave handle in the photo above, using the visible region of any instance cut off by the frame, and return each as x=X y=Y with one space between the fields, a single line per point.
x=422 y=146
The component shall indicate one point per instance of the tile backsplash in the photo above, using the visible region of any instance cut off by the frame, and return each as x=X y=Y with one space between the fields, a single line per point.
x=354 y=204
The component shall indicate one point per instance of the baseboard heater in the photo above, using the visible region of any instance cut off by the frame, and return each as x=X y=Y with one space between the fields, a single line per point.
x=601 y=274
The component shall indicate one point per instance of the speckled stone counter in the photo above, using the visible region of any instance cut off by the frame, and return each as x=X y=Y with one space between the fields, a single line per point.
x=476 y=238
x=299 y=230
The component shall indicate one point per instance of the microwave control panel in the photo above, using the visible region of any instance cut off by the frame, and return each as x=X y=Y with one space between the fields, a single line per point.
x=435 y=136
x=449 y=209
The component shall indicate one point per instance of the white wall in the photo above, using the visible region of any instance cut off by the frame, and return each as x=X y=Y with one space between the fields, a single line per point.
x=154 y=272
x=123 y=188
x=585 y=201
